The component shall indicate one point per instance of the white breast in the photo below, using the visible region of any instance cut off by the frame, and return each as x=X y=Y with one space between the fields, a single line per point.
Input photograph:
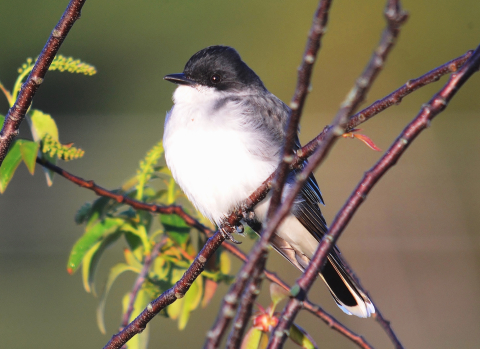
x=210 y=152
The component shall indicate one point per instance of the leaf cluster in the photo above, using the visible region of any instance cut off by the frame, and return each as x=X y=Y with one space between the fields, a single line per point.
x=106 y=221
x=45 y=144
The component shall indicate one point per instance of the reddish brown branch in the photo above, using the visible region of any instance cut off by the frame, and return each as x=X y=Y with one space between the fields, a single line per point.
x=313 y=308
x=17 y=113
x=169 y=296
x=142 y=276
x=229 y=305
x=395 y=17
x=437 y=104
x=120 y=198
x=298 y=101
x=244 y=312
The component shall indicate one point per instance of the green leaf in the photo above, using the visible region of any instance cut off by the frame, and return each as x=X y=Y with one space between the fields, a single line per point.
x=83 y=213
x=174 y=309
x=140 y=341
x=192 y=300
x=115 y=272
x=147 y=168
x=225 y=263
x=89 y=239
x=175 y=227
x=91 y=260
x=141 y=233
x=9 y=165
x=255 y=339
x=132 y=260
x=299 y=336
x=182 y=307
x=41 y=124
x=29 y=151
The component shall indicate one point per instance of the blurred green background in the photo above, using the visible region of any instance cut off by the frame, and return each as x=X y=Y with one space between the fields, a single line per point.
x=415 y=241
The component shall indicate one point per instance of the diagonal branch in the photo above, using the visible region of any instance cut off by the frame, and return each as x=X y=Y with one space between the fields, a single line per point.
x=437 y=104
x=16 y=114
x=169 y=296
x=395 y=17
x=261 y=192
x=311 y=307
x=298 y=101
x=142 y=276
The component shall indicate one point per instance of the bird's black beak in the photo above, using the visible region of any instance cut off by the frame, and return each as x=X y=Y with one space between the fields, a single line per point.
x=179 y=79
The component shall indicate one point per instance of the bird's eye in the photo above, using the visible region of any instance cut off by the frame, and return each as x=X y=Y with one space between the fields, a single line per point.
x=215 y=78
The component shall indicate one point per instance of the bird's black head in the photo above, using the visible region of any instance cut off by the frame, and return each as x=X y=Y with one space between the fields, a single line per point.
x=219 y=67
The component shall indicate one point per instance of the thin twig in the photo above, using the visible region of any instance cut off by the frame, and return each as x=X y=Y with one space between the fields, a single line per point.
x=16 y=114
x=169 y=296
x=437 y=104
x=243 y=314
x=261 y=192
x=315 y=35
x=214 y=336
x=393 y=98
x=120 y=198
x=141 y=279
x=313 y=308
x=395 y=17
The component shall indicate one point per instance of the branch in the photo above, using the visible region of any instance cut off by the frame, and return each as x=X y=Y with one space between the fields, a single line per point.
x=260 y=193
x=140 y=280
x=298 y=101
x=395 y=17
x=169 y=296
x=215 y=335
x=120 y=198
x=16 y=114
x=313 y=308
x=437 y=104
x=245 y=311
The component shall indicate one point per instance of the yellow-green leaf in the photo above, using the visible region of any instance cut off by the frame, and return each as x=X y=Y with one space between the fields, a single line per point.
x=191 y=301
x=115 y=272
x=91 y=260
x=41 y=124
x=29 y=151
x=255 y=339
x=175 y=227
x=299 y=336
x=91 y=236
x=10 y=165
x=140 y=341
x=132 y=260
x=225 y=263
x=174 y=309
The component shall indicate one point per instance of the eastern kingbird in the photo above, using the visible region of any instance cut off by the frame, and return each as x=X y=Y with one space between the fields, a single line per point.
x=223 y=137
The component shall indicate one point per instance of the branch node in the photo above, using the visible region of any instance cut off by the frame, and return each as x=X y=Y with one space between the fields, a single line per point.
x=231 y=299
x=202 y=259
x=57 y=33
x=310 y=59
x=179 y=295
x=37 y=80
x=293 y=105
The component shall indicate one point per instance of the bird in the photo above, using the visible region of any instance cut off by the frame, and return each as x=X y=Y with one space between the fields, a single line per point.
x=223 y=138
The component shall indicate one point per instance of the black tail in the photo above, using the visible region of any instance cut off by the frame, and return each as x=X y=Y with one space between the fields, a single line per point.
x=344 y=289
